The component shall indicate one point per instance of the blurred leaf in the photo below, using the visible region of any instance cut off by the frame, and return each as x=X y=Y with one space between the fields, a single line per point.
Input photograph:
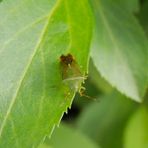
x=66 y=137
x=99 y=81
x=136 y=134
x=104 y=122
x=119 y=49
x=130 y=5
x=33 y=36
x=143 y=16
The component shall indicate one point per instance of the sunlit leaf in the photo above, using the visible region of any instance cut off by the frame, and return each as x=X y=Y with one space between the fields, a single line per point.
x=33 y=36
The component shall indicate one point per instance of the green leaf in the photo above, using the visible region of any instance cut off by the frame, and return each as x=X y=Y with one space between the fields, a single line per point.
x=136 y=134
x=66 y=137
x=33 y=36
x=119 y=49
x=107 y=119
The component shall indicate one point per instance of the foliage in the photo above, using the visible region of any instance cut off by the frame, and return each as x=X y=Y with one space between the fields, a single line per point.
x=33 y=97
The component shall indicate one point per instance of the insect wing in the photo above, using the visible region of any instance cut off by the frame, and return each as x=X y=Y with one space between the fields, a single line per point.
x=72 y=76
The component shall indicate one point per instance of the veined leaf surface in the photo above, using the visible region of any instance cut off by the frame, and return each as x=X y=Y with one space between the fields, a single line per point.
x=33 y=36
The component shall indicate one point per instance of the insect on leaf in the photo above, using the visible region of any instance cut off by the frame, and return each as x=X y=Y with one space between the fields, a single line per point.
x=71 y=74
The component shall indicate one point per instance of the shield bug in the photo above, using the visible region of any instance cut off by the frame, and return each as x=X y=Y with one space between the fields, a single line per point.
x=71 y=74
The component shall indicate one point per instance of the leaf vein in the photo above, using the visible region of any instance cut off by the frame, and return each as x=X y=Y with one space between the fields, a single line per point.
x=20 y=31
x=25 y=71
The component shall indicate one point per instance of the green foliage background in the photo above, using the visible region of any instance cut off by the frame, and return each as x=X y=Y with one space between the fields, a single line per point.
x=108 y=40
